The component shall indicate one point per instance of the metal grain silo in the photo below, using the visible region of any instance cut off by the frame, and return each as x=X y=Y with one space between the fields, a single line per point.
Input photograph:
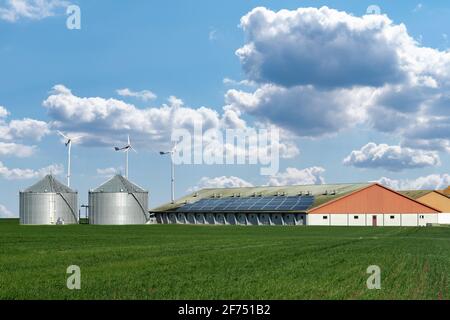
x=48 y=202
x=118 y=202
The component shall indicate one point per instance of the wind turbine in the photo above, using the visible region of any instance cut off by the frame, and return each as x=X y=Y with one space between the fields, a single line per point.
x=172 y=178
x=68 y=144
x=126 y=149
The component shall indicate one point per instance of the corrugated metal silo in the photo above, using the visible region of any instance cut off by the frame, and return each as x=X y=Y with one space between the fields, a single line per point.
x=48 y=202
x=118 y=202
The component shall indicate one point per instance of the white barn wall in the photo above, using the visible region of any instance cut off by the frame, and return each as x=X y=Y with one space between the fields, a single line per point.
x=429 y=218
x=338 y=219
x=444 y=218
x=409 y=220
x=356 y=220
x=317 y=220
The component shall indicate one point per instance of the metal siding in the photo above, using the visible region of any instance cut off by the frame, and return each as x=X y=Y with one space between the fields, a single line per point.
x=117 y=208
x=46 y=208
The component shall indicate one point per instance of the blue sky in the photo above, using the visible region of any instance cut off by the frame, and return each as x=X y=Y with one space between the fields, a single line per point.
x=368 y=98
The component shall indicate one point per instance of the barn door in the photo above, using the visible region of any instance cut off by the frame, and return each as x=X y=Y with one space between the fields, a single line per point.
x=374 y=221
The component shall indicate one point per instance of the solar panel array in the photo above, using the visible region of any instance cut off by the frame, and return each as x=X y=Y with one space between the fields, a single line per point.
x=300 y=203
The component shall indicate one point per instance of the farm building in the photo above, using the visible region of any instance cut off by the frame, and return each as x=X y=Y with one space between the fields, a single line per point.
x=434 y=199
x=446 y=192
x=363 y=204
x=118 y=201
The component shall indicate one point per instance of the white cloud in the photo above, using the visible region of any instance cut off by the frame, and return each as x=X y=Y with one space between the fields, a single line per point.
x=232 y=82
x=23 y=174
x=323 y=47
x=430 y=182
x=3 y=112
x=305 y=111
x=294 y=176
x=25 y=129
x=5 y=213
x=13 y=10
x=16 y=135
x=144 y=95
x=393 y=158
x=315 y=64
x=109 y=172
x=221 y=182
x=102 y=121
x=17 y=150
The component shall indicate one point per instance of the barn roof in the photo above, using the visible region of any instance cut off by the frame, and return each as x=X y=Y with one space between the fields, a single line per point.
x=49 y=184
x=322 y=193
x=415 y=194
x=119 y=184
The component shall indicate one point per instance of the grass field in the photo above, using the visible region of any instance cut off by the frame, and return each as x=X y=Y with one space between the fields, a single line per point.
x=210 y=262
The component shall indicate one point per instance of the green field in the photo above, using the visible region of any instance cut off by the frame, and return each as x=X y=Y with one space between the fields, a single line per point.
x=211 y=262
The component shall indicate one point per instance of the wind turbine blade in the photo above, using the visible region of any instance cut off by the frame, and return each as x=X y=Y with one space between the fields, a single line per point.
x=74 y=139
x=133 y=149
x=63 y=135
x=129 y=143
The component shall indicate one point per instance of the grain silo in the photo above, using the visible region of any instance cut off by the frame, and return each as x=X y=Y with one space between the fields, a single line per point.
x=118 y=202
x=48 y=202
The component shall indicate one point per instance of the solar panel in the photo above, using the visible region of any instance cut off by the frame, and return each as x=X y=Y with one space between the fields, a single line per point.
x=300 y=203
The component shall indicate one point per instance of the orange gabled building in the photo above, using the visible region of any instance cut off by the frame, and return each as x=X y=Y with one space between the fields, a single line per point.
x=373 y=205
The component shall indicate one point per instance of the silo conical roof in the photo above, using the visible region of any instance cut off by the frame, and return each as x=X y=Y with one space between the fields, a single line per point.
x=49 y=184
x=119 y=183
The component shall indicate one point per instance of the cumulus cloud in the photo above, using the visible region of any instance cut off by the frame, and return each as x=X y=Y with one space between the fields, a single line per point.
x=24 y=129
x=294 y=176
x=3 y=112
x=393 y=158
x=305 y=111
x=313 y=64
x=5 y=213
x=101 y=121
x=13 y=10
x=17 y=150
x=221 y=182
x=430 y=182
x=232 y=82
x=322 y=47
x=16 y=135
x=144 y=95
x=23 y=174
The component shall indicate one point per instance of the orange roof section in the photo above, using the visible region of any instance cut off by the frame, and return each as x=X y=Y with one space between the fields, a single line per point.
x=374 y=198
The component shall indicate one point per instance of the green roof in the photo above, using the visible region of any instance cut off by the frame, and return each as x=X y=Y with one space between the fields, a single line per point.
x=415 y=194
x=118 y=184
x=49 y=184
x=322 y=193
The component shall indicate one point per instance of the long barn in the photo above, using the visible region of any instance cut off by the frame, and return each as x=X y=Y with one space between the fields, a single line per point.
x=362 y=204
